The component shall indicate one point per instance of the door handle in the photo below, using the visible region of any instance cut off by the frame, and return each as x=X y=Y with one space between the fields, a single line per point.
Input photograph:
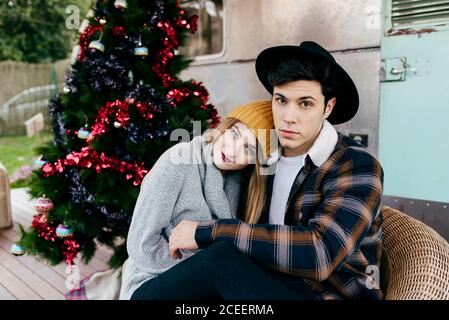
x=397 y=71
x=404 y=69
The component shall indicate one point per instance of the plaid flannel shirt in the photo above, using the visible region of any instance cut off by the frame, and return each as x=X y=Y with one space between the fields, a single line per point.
x=332 y=236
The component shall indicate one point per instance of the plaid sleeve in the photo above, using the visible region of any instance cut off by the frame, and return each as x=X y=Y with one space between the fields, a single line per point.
x=352 y=194
x=203 y=233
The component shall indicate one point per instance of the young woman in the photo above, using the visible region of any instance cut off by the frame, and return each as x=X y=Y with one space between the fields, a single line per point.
x=201 y=180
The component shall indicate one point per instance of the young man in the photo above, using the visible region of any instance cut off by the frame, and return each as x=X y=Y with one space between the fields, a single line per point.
x=320 y=231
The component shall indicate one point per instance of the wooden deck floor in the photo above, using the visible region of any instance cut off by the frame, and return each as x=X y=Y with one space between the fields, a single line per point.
x=26 y=277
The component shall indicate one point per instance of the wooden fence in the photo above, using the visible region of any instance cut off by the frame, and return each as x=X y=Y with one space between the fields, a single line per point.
x=25 y=90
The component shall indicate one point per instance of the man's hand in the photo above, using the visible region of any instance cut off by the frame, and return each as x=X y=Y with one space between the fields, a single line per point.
x=182 y=237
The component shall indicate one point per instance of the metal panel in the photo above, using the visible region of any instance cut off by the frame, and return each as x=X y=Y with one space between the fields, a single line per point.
x=253 y=25
x=363 y=66
x=229 y=85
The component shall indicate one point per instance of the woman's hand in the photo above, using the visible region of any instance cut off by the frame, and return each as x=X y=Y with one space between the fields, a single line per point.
x=182 y=237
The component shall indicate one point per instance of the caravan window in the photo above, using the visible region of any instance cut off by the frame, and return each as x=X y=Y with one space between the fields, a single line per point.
x=208 y=40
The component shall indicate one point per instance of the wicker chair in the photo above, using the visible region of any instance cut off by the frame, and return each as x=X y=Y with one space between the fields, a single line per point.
x=415 y=259
x=5 y=199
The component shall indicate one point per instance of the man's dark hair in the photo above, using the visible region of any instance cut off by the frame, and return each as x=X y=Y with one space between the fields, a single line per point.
x=311 y=69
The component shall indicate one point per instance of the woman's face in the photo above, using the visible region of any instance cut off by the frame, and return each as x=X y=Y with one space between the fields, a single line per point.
x=235 y=148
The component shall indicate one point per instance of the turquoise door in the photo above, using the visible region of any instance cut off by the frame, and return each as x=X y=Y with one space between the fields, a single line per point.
x=414 y=99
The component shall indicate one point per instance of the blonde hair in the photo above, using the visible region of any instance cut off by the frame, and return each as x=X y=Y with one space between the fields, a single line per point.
x=255 y=193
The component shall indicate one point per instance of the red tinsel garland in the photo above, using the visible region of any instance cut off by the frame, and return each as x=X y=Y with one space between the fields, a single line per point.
x=43 y=230
x=69 y=246
x=177 y=95
x=171 y=42
x=215 y=118
x=121 y=111
x=70 y=249
x=89 y=158
x=167 y=53
x=190 y=23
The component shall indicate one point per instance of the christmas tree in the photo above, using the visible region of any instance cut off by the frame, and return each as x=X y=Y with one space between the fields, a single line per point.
x=113 y=120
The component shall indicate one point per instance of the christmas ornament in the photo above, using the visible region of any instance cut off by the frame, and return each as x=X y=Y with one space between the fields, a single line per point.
x=63 y=231
x=118 y=31
x=141 y=51
x=85 y=39
x=83 y=133
x=121 y=4
x=130 y=100
x=40 y=163
x=17 y=249
x=43 y=204
x=97 y=45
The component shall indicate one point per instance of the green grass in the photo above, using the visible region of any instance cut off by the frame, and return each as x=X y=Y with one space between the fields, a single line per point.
x=17 y=151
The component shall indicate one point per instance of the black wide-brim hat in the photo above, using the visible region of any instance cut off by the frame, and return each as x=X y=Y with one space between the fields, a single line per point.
x=347 y=94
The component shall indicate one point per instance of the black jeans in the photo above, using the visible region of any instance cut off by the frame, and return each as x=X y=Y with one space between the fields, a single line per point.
x=221 y=271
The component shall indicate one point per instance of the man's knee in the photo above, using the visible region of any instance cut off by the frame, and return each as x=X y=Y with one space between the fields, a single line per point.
x=219 y=250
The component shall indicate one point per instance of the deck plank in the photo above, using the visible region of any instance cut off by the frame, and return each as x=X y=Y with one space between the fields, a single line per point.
x=10 y=236
x=15 y=286
x=30 y=277
x=51 y=275
x=5 y=294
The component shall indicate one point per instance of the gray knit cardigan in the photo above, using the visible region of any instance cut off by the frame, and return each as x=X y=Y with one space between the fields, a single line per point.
x=184 y=184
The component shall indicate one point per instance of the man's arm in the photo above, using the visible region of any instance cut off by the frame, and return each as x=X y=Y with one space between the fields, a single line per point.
x=352 y=197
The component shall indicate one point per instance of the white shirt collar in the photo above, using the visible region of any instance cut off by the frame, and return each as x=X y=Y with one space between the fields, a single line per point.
x=321 y=149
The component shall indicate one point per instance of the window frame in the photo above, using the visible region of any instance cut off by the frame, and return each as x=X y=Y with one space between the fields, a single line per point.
x=214 y=57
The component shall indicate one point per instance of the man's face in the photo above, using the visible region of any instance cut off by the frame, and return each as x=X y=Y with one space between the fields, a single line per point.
x=298 y=114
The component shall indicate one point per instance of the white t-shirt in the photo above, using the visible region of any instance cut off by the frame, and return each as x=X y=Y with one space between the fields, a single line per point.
x=286 y=171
